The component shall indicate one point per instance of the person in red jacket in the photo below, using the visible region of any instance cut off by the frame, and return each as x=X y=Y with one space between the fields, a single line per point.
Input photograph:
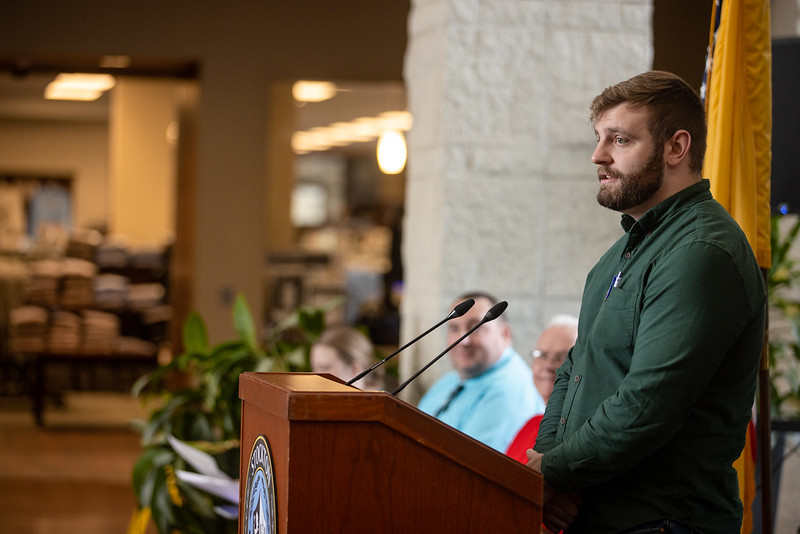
x=551 y=350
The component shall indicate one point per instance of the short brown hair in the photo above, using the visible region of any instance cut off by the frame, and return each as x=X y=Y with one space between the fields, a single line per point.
x=672 y=103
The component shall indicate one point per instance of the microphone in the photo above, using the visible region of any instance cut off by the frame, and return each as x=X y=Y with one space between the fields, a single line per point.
x=458 y=311
x=493 y=313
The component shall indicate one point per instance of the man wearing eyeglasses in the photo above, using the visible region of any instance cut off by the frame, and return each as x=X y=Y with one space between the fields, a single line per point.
x=552 y=347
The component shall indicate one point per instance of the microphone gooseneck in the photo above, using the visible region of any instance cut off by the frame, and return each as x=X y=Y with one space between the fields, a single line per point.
x=493 y=313
x=458 y=311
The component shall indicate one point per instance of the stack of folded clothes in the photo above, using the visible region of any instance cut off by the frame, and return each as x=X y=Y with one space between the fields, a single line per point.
x=82 y=243
x=152 y=258
x=77 y=283
x=157 y=314
x=110 y=254
x=28 y=329
x=43 y=284
x=64 y=335
x=111 y=291
x=100 y=332
x=142 y=296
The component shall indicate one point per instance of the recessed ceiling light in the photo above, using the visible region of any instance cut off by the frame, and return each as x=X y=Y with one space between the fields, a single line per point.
x=307 y=91
x=78 y=86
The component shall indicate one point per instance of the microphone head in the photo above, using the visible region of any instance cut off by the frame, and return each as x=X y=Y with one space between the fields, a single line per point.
x=496 y=311
x=461 y=308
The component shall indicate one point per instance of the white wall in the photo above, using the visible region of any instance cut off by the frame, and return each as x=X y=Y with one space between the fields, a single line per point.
x=142 y=178
x=76 y=149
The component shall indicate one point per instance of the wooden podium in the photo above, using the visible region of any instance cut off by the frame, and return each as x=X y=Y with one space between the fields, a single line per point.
x=345 y=460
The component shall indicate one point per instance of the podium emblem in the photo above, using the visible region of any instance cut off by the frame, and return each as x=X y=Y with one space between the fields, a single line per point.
x=259 y=504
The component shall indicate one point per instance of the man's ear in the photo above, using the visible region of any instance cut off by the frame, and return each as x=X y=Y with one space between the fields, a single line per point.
x=676 y=149
x=506 y=330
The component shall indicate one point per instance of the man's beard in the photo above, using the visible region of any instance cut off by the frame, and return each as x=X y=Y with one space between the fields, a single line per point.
x=635 y=188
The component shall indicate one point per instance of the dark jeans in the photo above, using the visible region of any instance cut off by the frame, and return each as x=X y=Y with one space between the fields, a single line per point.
x=666 y=526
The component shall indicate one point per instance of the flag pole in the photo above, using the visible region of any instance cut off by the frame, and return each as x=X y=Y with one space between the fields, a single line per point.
x=765 y=428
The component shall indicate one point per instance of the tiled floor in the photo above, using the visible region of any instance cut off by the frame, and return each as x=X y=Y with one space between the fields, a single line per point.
x=73 y=476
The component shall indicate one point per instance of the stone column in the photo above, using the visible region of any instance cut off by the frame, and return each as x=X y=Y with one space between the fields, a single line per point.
x=500 y=188
x=785 y=18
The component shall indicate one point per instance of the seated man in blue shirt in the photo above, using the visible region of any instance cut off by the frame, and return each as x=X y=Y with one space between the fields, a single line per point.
x=489 y=394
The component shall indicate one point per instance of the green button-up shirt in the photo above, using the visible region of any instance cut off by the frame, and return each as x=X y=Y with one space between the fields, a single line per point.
x=650 y=410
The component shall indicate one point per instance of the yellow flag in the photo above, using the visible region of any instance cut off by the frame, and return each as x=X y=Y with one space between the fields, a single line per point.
x=738 y=99
x=746 y=472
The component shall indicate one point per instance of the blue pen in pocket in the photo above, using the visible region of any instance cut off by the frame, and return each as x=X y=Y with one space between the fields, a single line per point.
x=614 y=283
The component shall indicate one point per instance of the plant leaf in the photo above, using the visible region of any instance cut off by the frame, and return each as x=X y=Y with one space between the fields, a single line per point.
x=195 y=336
x=243 y=321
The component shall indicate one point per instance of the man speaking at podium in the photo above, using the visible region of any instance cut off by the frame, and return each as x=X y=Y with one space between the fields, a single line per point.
x=489 y=395
x=650 y=409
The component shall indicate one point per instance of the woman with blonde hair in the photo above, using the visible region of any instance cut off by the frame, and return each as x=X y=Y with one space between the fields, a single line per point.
x=344 y=352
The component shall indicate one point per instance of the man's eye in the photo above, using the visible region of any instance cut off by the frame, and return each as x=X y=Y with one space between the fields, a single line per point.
x=620 y=140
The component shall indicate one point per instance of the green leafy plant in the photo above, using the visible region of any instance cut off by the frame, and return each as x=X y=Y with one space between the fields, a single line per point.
x=196 y=399
x=784 y=301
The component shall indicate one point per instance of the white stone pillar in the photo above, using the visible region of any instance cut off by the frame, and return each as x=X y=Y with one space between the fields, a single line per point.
x=784 y=18
x=500 y=188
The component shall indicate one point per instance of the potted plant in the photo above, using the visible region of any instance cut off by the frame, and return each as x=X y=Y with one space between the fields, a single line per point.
x=784 y=332
x=197 y=401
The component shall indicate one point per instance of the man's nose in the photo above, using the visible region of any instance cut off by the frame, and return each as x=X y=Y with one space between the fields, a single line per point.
x=600 y=156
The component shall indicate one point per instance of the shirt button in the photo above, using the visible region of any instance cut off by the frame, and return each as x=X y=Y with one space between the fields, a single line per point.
x=563 y=421
x=577 y=378
x=627 y=255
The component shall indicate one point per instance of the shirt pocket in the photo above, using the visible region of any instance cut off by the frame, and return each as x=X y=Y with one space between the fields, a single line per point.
x=614 y=325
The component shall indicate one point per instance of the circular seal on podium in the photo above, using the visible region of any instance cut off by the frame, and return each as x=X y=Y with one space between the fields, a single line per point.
x=259 y=504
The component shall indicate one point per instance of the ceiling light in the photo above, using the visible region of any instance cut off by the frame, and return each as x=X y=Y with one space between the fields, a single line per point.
x=396 y=120
x=328 y=136
x=373 y=125
x=54 y=92
x=316 y=139
x=352 y=132
x=78 y=86
x=392 y=152
x=360 y=130
x=306 y=91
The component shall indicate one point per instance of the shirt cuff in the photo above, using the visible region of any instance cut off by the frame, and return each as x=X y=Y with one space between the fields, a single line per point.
x=556 y=471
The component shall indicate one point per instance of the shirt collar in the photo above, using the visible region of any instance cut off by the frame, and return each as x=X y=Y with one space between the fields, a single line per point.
x=684 y=198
